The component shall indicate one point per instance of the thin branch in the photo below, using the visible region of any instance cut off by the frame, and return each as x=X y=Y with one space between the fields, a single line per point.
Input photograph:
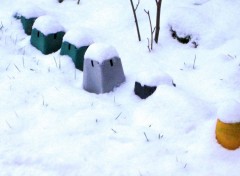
x=151 y=28
x=149 y=49
x=8 y=125
x=158 y=4
x=17 y=68
x=1 y=27
x=118 y=116
x=146 y=137
x=194 y=61
x=23 y=62
x=134 y=9
x=114 y=131
x=55 y=61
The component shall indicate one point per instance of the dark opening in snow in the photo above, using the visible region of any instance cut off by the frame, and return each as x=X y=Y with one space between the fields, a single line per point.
x=184 y=40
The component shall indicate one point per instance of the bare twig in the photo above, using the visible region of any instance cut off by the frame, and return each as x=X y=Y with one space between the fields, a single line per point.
x=43 y=103
x=23 y=62
x=17 y=68
x=149 y=49
x=160 y=136
x=151 y=28
x=1 y=27
x=78 y=2
x=114 y=131
x=134 y=9
x=59 y=65
x=146 y=137
x=55 y=61
x=16 y=114
x=194 y=61
x=137 y=5
x=118 y=116
x=8 y=125
x=159 y=4
x=8 y=67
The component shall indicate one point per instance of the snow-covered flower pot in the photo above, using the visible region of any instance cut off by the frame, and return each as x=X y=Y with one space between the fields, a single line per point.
x=228 y=125
x=102 y=69
x=47 y=34
x=75 y=43
x=28 y=16
x=147 y=83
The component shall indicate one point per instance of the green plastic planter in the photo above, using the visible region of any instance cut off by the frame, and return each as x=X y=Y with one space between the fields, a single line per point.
x=77 y=54
x=27 y=24
x=46 y=44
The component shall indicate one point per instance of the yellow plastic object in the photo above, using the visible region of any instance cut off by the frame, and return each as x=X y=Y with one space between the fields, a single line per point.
x=228 y=134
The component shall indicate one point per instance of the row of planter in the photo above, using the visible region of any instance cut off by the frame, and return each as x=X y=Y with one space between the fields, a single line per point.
x=103 y=71
x=101 y=63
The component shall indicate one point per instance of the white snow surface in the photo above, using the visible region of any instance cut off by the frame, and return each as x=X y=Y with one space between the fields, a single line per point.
x=154 y=78
x=100 y=52
x=50 y=126
x=229 y=112
x=79 y=37
x=31 y=11
x=48 y=25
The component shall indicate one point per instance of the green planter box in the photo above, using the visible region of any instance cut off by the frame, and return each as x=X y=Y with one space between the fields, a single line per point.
x=46 y=43
x=27 y=24
x=77 y=54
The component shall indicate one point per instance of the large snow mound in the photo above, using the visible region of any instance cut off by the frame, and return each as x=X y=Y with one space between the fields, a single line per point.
x=78 y=37
x=154 y=78
x=195 y=25
x=229 y=112
x=31 y=11
x=100 y=52
x=47 y=25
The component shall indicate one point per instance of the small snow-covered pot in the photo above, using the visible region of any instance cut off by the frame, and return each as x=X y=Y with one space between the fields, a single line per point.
x=102 y=69
x=228 y=134
x=144 y=91
x=75 y=43
x=47 y=34
x=28 y=16
x=228 y=125
x=147 y=83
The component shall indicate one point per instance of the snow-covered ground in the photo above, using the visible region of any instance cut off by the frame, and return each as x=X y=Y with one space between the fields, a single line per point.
x=50 y=126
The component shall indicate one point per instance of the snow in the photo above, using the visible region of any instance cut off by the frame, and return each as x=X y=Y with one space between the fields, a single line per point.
x=100 y=52
x=50 y=126
x=47 y=25
x=229 y=111
x=31 y=12
x=154 y=78
x=78 y=37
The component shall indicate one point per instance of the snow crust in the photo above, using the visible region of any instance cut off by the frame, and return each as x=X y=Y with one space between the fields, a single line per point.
x=48 y=25
x=154 y=78
x=229 y=112
x=78 y=37
x=100 y=52
x=32 y=11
